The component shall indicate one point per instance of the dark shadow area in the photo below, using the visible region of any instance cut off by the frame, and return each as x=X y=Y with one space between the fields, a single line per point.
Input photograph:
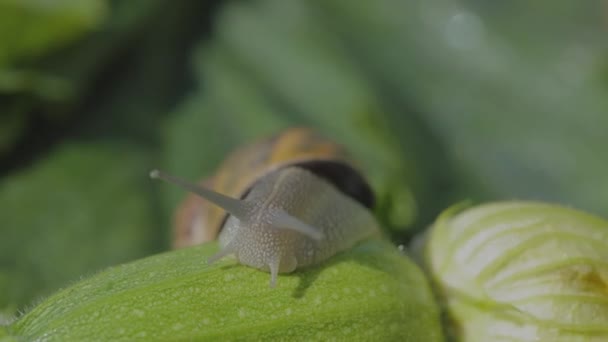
x=109 y=66
x=231 y=266
x=365 y=254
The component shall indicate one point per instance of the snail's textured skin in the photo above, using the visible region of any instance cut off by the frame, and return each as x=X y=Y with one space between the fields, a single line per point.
x=286 y=202
x=522 y=271
x=342 y=221
x=198 y=221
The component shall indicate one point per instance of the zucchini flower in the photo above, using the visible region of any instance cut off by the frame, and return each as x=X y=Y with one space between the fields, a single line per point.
x=522 y=271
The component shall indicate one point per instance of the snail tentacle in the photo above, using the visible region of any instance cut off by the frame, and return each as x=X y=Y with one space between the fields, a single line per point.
x=282 y=220
x=236 y=207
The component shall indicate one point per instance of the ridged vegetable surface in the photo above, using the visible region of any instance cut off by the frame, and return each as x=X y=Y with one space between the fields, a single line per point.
x=522 y=271
x=370 y=292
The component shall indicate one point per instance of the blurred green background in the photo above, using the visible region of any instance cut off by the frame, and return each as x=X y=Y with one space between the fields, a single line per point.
x=439 y=101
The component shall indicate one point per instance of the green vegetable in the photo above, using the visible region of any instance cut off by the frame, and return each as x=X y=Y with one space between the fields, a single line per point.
x=4 y=337
x=522 y=271
x=371 y=292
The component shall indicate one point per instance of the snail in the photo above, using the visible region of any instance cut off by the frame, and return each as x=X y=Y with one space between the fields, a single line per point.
x=289 y=201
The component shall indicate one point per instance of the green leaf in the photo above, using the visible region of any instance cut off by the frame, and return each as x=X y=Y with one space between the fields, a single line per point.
x=30 y=28
x=84 y=207
x=11 y=126
x=369 y=292
x=514 y=126
x=4 y=336
x=241 y=103
x=52 y=86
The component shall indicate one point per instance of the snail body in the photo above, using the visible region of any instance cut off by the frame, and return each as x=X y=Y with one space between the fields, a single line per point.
x=293 y=212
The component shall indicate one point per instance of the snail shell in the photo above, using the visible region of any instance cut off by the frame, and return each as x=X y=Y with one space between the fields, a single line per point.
x=293 y=200
x=198 y=221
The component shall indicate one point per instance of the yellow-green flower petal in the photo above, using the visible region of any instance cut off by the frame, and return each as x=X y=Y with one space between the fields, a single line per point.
x=522 y=271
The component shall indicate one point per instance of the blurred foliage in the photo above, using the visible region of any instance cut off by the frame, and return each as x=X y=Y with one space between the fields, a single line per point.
x=122 y=81
x=84 y=207
x=439 y=101
x=56 y=83
x=29 y=30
